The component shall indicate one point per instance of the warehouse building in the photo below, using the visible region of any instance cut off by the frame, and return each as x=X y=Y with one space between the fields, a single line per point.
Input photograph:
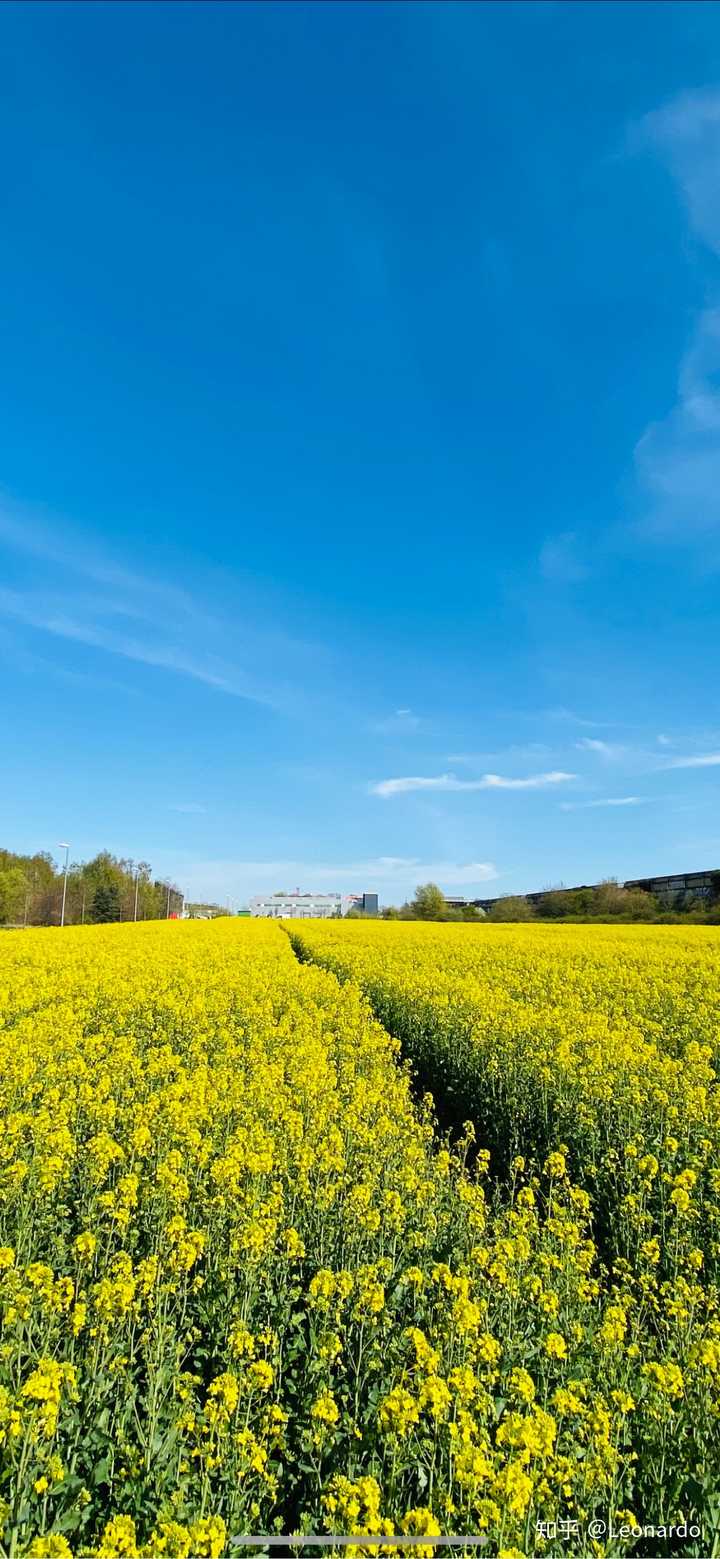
x=687 y=885
x=680 y=888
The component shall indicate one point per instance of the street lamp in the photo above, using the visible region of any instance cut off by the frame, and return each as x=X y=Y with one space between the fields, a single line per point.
x=63 y=846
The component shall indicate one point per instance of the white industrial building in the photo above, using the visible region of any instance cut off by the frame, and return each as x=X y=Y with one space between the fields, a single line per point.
x=309 y=906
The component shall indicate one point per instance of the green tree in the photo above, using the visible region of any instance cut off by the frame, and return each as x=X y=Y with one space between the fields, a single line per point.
x=429 y=902
x=558 y=902
x=31 y=889
x=13 y=890
x=610 y=898
x=511 y=907
x=105 y=903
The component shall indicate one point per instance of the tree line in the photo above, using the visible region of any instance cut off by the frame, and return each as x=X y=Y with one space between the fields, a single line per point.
x=610 y=900
x=107 y=888
x=429 y=903
x=606 y=901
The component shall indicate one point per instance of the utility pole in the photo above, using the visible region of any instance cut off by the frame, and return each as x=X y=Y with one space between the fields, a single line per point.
x=66 y=848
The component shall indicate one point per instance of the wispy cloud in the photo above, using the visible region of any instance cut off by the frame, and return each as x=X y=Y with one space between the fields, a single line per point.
x=51 y=615
x=404 y=784
x=605 y=801
x=30 y=529
x=609 y=750
x=686 y=131
x=678 y=457
x=73 y=592
x=32 y=664
x=703 y=760
x=188 y=808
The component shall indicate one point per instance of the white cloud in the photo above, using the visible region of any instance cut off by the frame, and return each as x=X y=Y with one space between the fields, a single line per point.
x=402 y=785
x=603 y=749
x=607 y=801
x=559 y=560
x=532 y=782
x=593 y=744
x=686 y=131
x=705 y=760
x=393 y=877
x=664 y=741
x=678 y=457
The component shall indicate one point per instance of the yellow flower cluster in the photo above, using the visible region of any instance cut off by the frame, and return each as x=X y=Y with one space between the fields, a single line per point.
x=245 y=1288
x=599 y=1041
x=588 y=1051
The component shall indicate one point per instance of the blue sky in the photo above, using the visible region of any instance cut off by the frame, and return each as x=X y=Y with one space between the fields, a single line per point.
x=360 y=441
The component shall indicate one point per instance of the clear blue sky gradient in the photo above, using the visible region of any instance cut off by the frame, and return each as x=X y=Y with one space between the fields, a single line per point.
x=360 y=421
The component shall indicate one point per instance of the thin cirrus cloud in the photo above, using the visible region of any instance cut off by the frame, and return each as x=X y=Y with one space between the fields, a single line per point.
x=605 y=801
x=703 y=760
x=406 y=783
x=603 y=749
x=677 y=458
x=592 y=744
x=51 y=615
x=74 y=591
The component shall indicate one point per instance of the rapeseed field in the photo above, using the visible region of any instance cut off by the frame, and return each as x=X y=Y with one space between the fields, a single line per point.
x=249 y=1284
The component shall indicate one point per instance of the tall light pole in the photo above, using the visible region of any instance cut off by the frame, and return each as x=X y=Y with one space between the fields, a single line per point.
x=63 y=846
